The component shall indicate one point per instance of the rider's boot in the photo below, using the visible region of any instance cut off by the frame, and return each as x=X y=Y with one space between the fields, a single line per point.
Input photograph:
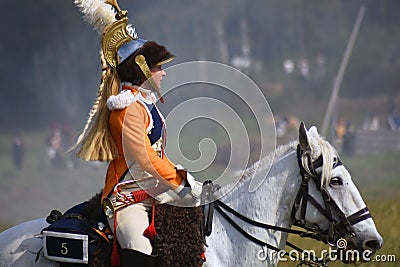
x=130 y=258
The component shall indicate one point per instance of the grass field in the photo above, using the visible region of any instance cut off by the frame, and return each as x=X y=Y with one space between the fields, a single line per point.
x=37 y=189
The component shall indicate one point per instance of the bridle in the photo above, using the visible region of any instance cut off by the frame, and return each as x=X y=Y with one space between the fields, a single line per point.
x=336 y=229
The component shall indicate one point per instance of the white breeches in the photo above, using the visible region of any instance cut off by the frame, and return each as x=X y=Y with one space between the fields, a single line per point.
x=131 y=223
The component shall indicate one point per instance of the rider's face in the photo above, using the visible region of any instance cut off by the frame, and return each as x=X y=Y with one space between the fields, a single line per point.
x=157 y=74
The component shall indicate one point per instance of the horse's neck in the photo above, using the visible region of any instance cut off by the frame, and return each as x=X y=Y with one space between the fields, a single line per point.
x=272 y=201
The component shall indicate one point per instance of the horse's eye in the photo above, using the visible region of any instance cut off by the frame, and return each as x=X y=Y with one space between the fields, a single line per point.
x=335 y=181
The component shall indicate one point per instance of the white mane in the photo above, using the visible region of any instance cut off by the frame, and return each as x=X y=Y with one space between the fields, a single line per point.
x=321 y=147
x=329 y=155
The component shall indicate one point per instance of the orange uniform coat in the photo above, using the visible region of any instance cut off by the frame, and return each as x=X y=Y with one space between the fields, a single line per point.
x=130 y=124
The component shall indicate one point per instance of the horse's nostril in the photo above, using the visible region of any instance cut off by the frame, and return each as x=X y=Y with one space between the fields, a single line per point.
x=372 y=244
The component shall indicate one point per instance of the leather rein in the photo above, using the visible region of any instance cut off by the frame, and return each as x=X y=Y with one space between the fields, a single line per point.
x=336 y=229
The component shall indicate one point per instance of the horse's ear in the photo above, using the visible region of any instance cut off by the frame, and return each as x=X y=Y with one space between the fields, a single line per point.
x=303 y=139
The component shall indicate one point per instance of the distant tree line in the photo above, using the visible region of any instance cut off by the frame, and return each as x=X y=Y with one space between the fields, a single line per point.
x=50 y=69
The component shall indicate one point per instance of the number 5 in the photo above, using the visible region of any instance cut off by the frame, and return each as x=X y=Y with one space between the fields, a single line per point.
x=64 y=249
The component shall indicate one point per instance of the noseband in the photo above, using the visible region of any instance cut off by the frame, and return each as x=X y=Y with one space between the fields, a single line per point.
x=336 y=229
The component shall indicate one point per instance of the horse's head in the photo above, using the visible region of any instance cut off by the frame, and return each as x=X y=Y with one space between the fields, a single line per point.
x=328 y=202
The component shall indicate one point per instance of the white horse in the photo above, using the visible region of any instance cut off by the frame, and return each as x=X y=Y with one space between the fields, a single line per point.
x=271 y=203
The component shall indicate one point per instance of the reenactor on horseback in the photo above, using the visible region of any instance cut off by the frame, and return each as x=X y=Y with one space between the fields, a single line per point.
x=126 y=129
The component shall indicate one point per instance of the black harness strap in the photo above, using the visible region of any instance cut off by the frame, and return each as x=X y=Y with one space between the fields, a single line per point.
x=355 y=218
x=243 y=232
x=313 y=202
x=119 y=180
x=220 y=206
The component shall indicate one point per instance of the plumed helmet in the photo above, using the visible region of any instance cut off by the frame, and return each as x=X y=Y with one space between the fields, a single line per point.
x=132 y=70
x=120 y=42
x=124 y=57
x=119 y=39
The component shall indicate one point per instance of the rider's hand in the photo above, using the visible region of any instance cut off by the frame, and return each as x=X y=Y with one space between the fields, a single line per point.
x=196 y=186
x=190 y=189
x=189 y=185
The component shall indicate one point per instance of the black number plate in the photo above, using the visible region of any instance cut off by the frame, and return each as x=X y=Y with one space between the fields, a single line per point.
x=65 y=247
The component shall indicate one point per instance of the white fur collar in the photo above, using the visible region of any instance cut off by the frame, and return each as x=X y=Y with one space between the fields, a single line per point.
x=124 y=99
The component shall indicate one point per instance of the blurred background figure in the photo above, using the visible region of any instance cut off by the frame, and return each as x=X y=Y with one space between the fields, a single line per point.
x=18 y=151
x=371 y=122
x=340 y=132
x=304 y=68
x=288 y=66
x=55 y=152
x=394 y=120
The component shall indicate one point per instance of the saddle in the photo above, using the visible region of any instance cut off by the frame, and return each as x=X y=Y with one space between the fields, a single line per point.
x=81 y=236
x=77 y=238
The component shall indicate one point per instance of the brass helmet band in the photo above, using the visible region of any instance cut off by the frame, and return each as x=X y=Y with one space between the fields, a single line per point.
x=165 y=61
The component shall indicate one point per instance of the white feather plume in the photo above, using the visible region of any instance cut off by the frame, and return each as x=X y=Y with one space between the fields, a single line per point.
x=96 y=13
